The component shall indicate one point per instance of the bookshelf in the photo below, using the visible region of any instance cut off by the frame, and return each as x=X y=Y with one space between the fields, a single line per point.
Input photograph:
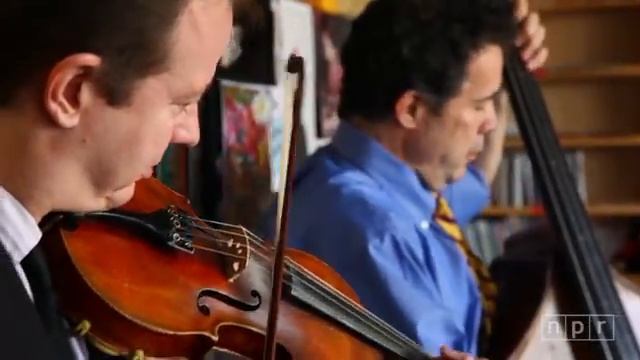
x=584 y=141
x=591 y=84
x=580 y=6
x=590 y=73
x=596 y=211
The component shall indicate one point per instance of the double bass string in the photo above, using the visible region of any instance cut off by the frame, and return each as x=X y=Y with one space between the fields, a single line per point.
x=322 y=290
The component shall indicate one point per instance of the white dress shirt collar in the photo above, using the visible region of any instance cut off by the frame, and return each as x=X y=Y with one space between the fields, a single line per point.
x=19 y=231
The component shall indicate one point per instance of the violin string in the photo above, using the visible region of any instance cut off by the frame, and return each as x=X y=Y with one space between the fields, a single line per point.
x=330 y=291
x=259 y=243
x=246 y=234
x=209 y=237
x=216 y=223
x=351 y=306
x=225 y=232
x=243 y=231
x=208 y=249
x=345 y=303
x=322 y=289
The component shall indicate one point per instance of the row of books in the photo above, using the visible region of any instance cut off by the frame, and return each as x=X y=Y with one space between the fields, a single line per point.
x=515 y=184
x=488 y=235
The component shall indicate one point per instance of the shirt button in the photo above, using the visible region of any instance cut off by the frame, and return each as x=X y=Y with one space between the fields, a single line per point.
x=424 y=224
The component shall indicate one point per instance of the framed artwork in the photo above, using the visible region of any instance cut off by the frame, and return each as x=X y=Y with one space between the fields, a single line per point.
x=252 y=134
x=331 y=32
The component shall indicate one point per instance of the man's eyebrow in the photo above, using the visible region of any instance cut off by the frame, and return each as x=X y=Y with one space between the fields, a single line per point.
x=492 y=96
x=195 y=94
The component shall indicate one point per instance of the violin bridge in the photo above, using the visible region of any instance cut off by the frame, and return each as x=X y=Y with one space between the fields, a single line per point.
x=236 y=248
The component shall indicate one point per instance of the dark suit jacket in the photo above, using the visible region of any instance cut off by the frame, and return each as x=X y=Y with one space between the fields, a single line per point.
x=23 y=335
x=56 y=330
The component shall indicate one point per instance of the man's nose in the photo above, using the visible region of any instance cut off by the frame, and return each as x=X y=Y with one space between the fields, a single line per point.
x=491 y=119
x=187 y=132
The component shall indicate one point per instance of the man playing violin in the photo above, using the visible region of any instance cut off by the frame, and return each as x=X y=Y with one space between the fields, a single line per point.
x=92 y=93
x=419 y=143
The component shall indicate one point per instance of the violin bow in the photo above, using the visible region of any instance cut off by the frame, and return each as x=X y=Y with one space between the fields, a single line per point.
x=293 y=97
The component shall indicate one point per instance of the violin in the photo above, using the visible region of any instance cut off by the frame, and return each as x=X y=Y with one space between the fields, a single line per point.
x=153 y=278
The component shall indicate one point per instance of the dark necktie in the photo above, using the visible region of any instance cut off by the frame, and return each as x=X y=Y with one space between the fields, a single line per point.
x=35 y=267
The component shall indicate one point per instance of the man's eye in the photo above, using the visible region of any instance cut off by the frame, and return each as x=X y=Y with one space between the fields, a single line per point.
x=182 y=108
x=483 y=105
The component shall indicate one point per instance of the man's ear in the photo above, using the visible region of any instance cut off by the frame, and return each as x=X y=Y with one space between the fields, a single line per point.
x=407 y=109
x=64 y=85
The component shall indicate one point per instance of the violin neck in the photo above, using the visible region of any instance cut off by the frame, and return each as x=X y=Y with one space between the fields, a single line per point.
x=581 y=258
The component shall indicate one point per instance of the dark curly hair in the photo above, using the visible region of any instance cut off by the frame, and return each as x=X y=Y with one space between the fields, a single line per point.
x=424 y=45
x=131 y=36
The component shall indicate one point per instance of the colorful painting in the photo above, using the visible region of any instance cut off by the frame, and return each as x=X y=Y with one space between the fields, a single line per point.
x=252 y=129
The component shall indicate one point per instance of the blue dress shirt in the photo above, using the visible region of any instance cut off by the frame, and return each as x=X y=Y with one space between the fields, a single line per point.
x=368 y=215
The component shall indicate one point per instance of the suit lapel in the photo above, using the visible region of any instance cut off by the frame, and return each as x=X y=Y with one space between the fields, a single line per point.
x=21 y=332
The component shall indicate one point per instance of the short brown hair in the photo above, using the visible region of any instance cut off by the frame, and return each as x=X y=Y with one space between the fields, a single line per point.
x=131 y=36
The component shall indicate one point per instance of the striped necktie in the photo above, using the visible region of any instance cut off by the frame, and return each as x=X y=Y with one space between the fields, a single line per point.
x=445 y=219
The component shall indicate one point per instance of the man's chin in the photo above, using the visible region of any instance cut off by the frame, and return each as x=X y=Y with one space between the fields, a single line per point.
x=120 y=196
x=457 y=175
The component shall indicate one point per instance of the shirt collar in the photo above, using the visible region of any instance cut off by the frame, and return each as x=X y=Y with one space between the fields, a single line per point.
x=385 y=168
x=19 y=231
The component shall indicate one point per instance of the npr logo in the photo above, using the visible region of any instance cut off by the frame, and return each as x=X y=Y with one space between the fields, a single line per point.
x=578 y=327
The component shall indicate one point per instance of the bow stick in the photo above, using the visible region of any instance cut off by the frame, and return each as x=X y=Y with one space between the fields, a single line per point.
x=293 y=87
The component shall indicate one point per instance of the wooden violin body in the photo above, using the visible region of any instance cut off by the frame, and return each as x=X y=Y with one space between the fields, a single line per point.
x=142 y=292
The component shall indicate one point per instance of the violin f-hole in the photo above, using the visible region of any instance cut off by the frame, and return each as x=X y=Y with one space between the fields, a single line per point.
x=238 y=304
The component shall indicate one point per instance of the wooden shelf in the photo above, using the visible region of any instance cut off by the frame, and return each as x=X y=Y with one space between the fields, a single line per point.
x=633 y=277
x=580 y=141
x=584 y=141
x=576 y=6
x=588 y=73
x=599 y=210
x=503 y=211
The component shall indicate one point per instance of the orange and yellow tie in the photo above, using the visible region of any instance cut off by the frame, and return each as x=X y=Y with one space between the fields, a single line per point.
x=445 y=218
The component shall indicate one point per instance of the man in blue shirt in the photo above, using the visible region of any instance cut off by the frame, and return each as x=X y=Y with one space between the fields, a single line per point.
x=419 y=118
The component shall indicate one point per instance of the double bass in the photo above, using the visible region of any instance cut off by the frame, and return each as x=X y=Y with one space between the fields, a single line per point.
x=567 y=275
x=151 y=278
